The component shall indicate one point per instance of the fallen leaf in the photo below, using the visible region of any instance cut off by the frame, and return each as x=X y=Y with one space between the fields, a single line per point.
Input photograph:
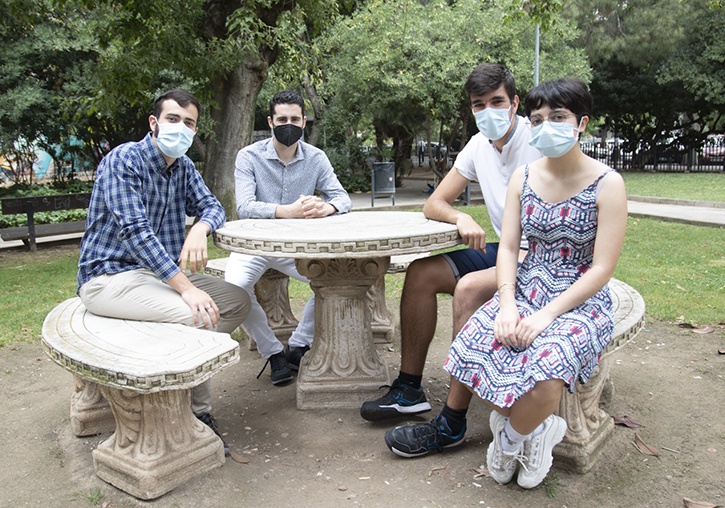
x=680 y=287
x=627 y=421
x=689 y=503
x=721 y=351
x=436 y=469
x=704 y=329
x=644 y=447
x=238 y=458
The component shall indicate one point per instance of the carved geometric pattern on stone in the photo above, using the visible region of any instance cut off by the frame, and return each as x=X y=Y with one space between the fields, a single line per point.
x=356 y=234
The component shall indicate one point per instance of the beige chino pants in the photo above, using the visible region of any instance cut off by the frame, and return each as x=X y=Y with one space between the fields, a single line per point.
x=142 y=296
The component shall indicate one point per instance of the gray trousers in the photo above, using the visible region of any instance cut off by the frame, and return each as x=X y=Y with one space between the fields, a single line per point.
x=142 y=296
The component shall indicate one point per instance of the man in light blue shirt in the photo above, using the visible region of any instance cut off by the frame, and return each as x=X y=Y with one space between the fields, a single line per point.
x=277 y=178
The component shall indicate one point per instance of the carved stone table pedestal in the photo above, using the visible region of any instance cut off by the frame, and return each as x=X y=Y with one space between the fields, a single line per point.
x=382 y=320
x=345 y=257
x=343 y=369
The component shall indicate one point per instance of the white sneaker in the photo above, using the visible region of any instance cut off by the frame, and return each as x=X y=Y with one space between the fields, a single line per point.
x=538 y=452
x=501 y=465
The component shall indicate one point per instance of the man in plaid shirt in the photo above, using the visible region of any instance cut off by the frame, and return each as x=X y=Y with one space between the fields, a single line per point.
x=134 y=253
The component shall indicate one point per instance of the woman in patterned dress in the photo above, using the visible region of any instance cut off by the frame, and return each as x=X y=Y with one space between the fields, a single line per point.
x=551 y=317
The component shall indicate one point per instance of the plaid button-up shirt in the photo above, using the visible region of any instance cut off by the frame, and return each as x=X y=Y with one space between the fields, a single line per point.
x=137 y=214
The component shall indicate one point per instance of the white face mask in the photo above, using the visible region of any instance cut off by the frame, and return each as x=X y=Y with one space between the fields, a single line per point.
x=493 y=123
x=173 y=139
x=554 y=139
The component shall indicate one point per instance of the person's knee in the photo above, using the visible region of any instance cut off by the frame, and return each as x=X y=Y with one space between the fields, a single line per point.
x=476 y=288
x=430 y=275
x=239 y=306
x=548 y=392
x=244 y=273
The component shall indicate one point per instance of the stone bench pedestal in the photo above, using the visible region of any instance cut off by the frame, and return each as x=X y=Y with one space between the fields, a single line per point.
x=90 y=413
x=589 y=427
x=145 y=372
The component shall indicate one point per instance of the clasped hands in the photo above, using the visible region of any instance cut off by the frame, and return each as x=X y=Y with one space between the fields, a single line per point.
x=312 y=207
x=514 y=332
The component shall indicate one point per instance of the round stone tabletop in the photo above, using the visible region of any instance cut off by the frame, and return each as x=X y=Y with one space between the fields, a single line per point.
x=350 y=235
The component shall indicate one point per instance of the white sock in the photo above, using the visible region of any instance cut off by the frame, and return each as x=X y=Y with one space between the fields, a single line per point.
x=538 y=429
x=511 y=440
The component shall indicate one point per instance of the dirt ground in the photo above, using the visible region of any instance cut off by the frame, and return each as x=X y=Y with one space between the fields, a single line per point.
x=668 y=379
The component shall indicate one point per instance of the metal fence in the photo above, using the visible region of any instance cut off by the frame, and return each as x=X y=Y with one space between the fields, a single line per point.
x=710 y=157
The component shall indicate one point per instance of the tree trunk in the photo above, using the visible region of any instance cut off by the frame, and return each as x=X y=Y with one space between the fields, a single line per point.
x=403 y=145
x=318 y=107
x=428 y=136
x=465 y=114
x=236 y=94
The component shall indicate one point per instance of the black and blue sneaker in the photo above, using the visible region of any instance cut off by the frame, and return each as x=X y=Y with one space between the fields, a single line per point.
x=208 y=420
x=422 y=438
x=401 y=400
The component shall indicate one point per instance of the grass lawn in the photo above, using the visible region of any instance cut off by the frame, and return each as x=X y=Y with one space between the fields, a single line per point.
x=678 y=269
x=32 y=284
x=698 y=186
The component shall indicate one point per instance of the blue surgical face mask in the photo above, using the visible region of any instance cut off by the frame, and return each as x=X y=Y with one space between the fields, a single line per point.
x=173 y=139
x=493 y=123
x=554 y=139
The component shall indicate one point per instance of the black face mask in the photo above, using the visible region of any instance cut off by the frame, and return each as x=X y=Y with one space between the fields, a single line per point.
x=287 y=134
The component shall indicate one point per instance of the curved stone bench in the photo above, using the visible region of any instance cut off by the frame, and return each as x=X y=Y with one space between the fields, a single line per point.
x=589 y=427
x=145 y=371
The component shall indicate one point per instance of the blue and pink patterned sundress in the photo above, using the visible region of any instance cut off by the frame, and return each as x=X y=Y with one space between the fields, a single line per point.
x=561 y=247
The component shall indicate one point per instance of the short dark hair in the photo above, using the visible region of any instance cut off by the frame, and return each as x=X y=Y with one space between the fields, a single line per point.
x=569 y=93
x=490 y=76
x=286 y=97
x=182 y=97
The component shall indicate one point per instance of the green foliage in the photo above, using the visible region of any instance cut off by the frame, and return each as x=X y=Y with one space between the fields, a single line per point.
x=48 y=56
x=65 y=187
x=698 y=64
x=658 y=70
x=92 y=497
x=395 y=65
x=543 y=12
x=632 y=32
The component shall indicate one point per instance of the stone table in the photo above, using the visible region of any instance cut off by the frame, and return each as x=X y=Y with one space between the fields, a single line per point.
x=343 y=256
